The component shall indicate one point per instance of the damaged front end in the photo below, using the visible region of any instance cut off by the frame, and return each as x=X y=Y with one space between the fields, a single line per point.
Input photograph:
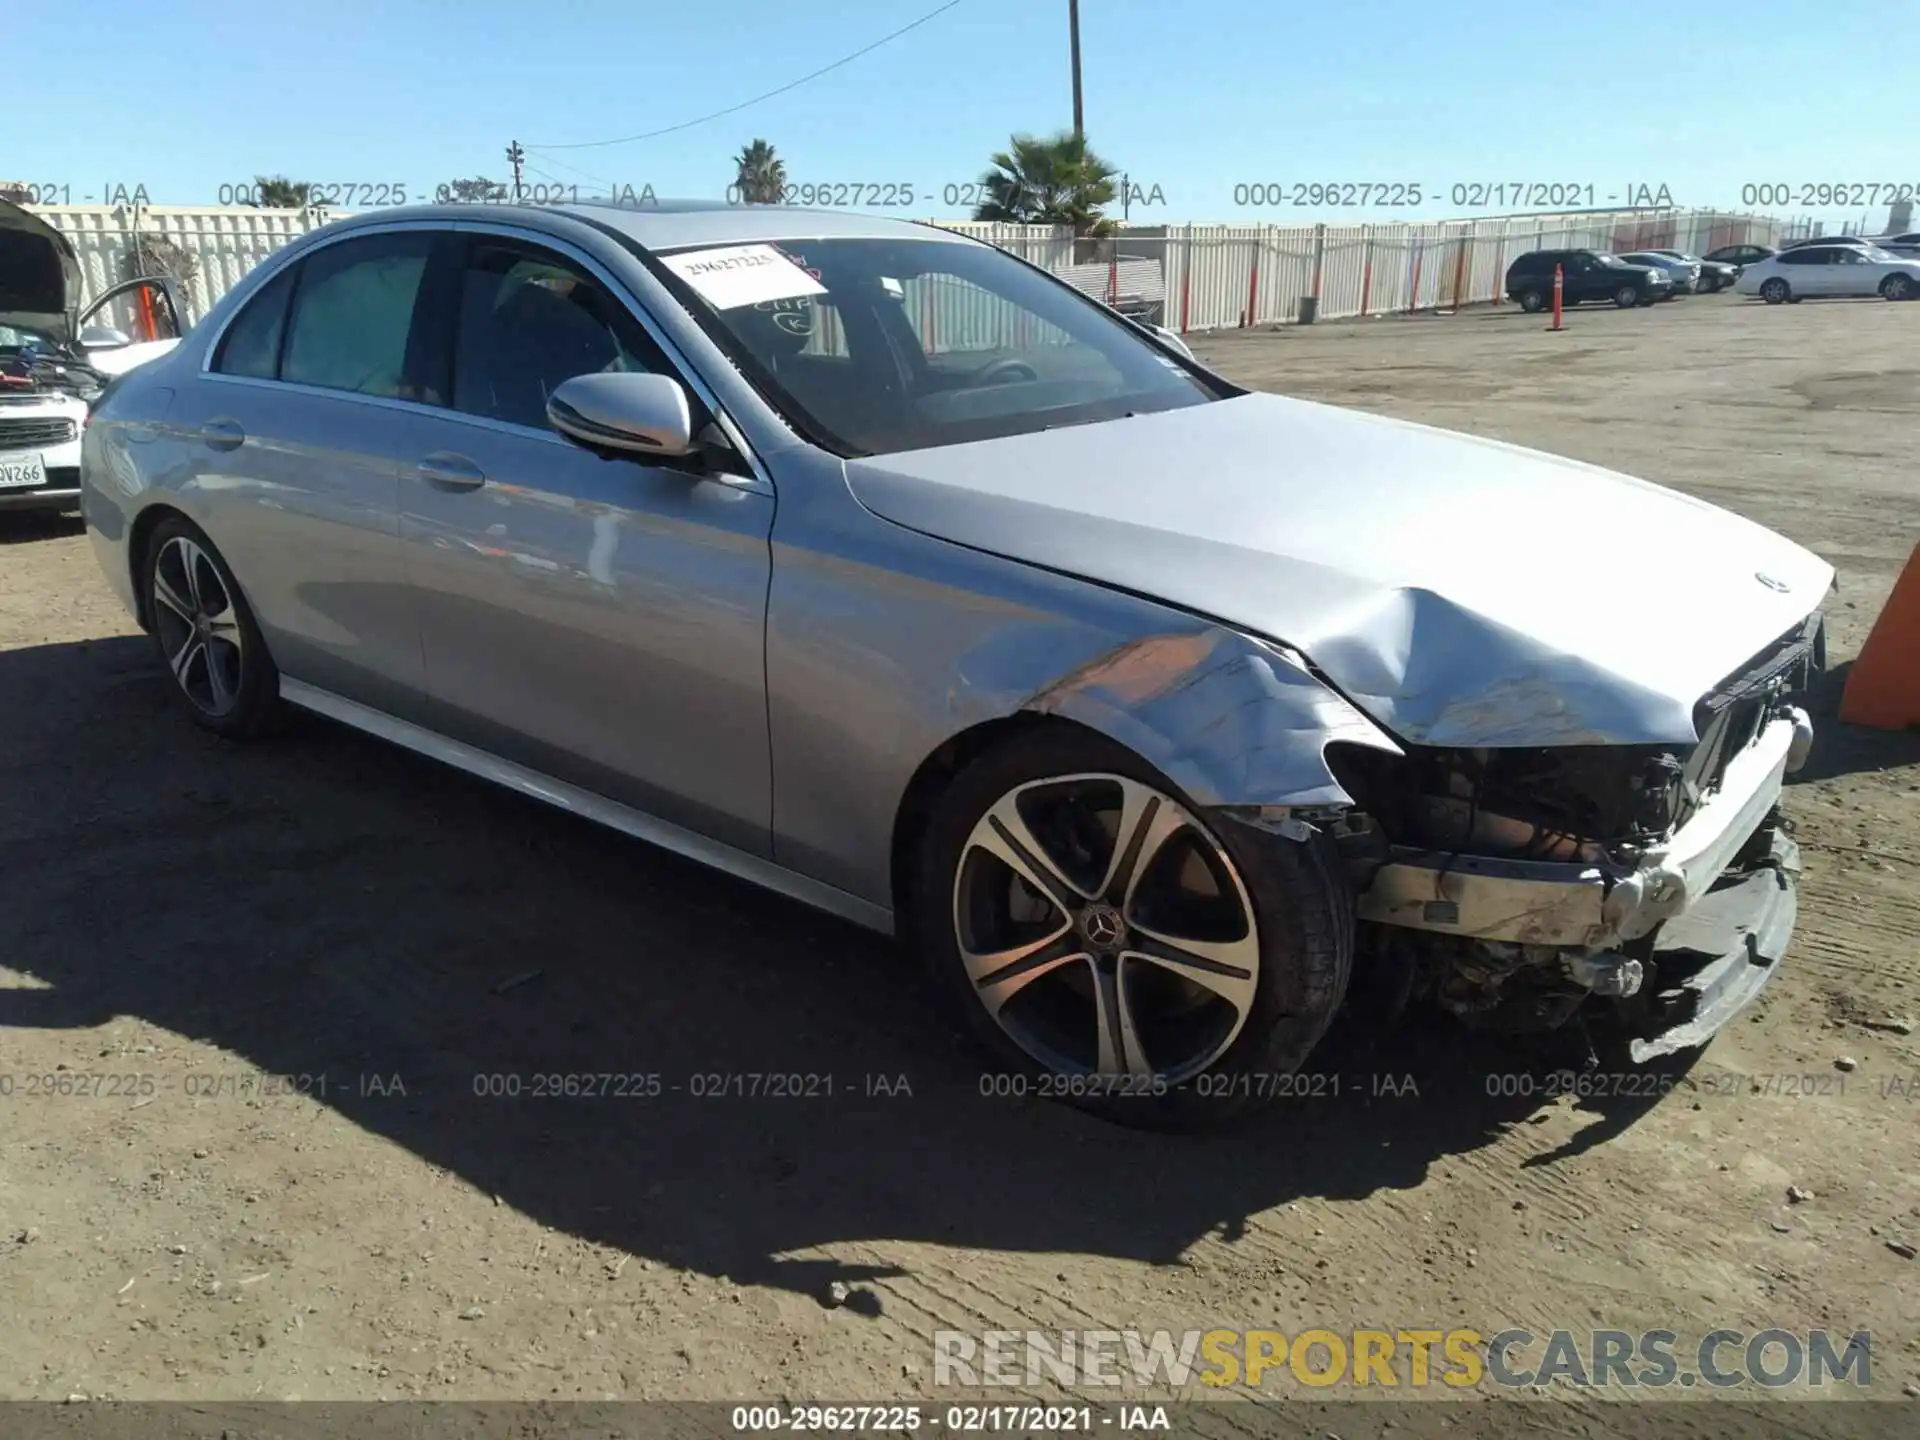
x=1514 y=886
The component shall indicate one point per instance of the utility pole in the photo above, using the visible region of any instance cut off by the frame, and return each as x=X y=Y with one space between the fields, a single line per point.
x=1126 y=198
x=1073 y=27
x=516 y=157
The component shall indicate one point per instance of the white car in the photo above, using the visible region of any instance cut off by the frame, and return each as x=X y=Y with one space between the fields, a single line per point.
x=56 y=358
x=1820 y=271
x=1684 y=274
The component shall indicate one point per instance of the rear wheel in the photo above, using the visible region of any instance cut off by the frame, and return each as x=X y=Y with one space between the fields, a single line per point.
x=206 y=633
x=1112 y=947
x=1626 y=297
x=1775 y=291
x=1897 y=287
x=1532 y=301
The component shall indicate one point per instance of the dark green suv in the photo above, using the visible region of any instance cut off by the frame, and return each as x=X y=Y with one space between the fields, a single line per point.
x=1590 y=275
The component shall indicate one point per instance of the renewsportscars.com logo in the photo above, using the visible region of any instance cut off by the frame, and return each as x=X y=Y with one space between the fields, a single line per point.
x=1412 y=1358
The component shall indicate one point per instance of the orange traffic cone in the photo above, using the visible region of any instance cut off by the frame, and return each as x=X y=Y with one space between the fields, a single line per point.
x=1883 y=688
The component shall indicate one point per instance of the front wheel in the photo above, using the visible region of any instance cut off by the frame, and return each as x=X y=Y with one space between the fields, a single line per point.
x=1775 y=291
x=1113 y=948
x=1626 y=297
x=206 y=634
x=1897 y=287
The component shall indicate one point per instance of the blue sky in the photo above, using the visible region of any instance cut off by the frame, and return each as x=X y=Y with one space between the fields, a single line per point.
x=1194 y=98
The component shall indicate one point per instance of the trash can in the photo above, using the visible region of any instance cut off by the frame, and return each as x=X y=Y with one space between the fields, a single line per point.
x=1309 y=309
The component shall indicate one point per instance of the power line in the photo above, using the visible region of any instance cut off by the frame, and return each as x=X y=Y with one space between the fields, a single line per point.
x=734 y=109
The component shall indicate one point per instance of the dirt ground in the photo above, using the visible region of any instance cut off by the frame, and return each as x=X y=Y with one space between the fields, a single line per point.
x=184 y=920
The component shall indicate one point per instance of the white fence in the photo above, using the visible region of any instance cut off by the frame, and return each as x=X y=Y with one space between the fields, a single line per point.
x=1186 y=277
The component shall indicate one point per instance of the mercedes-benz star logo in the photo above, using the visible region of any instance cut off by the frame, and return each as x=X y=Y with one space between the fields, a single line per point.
x=1769 y=581
x=1103 y=926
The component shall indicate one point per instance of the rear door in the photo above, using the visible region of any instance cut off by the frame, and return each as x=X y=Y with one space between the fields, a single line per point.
x=295 y=435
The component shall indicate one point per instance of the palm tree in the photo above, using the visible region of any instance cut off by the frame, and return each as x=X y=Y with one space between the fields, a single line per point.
x=279 y=193
x=478 y=188
x=1057 y=181
x=760 y=176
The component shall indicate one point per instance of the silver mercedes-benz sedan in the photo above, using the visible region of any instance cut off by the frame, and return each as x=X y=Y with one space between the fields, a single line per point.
x=884 y=569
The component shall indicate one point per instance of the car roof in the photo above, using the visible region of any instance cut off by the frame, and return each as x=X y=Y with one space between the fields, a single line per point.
x=670 y=224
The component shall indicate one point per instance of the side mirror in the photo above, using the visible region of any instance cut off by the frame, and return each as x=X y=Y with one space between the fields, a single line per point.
x=641 y=414
x=103 y=337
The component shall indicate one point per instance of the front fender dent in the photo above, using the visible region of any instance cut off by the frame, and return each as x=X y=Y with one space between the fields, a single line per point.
x=1230 y=719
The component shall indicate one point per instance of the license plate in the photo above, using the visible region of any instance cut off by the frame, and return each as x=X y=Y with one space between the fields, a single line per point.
x=18 y=470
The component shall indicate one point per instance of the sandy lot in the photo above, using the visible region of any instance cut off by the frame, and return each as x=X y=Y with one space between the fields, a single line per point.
x=186 y=921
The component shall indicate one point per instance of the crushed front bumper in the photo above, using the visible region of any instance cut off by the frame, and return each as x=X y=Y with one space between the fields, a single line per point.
x=1715 y=933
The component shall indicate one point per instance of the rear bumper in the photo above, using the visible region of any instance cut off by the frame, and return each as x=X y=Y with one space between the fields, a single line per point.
x=61 y=492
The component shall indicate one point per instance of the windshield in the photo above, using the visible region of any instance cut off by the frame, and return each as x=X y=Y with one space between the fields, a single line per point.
x=876 y=345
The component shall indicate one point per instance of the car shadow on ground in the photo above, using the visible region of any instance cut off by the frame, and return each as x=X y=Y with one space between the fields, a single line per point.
x=21 y=527
x=325 y=904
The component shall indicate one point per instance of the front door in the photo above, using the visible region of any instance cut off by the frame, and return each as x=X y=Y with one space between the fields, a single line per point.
x=1588 y=279
x=1851 y=273
x=601 y=621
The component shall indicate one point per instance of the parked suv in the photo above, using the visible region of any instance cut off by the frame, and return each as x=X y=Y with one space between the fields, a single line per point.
x=1590 y=275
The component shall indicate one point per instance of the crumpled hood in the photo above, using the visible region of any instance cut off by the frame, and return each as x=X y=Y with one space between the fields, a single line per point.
x=39 y=275
x=1460 y=591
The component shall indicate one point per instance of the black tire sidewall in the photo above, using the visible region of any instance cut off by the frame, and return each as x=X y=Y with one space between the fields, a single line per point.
x=1532 y=301
x=1304 y=915
x=1626 y=297
x=258 y=709
x=1774 y=291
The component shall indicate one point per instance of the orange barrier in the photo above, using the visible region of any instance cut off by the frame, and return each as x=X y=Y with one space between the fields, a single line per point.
x=1883 y=688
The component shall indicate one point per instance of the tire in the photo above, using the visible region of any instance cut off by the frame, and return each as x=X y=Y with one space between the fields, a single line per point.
x=205 y=633
x=1626 y=297
x=1532 y=301
x=1179 y=1055
x=1897 y=287
x=1775 y=291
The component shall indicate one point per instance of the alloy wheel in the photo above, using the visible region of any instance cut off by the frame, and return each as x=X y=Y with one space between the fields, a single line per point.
x=1104 y=928
x=198 y=626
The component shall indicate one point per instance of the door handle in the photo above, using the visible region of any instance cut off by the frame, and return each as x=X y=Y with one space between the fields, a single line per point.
x=444 y=470
x=222 y=435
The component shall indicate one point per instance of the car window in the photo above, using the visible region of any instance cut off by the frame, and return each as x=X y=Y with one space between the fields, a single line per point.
x=874 y=345
x=1803 y=257
x=251 y=346
x=529 y=320
x=1852 y=257
x=352 y=312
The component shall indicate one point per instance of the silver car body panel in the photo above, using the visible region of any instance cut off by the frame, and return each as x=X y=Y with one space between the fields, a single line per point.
x=754 y=668
x=1459 y=591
